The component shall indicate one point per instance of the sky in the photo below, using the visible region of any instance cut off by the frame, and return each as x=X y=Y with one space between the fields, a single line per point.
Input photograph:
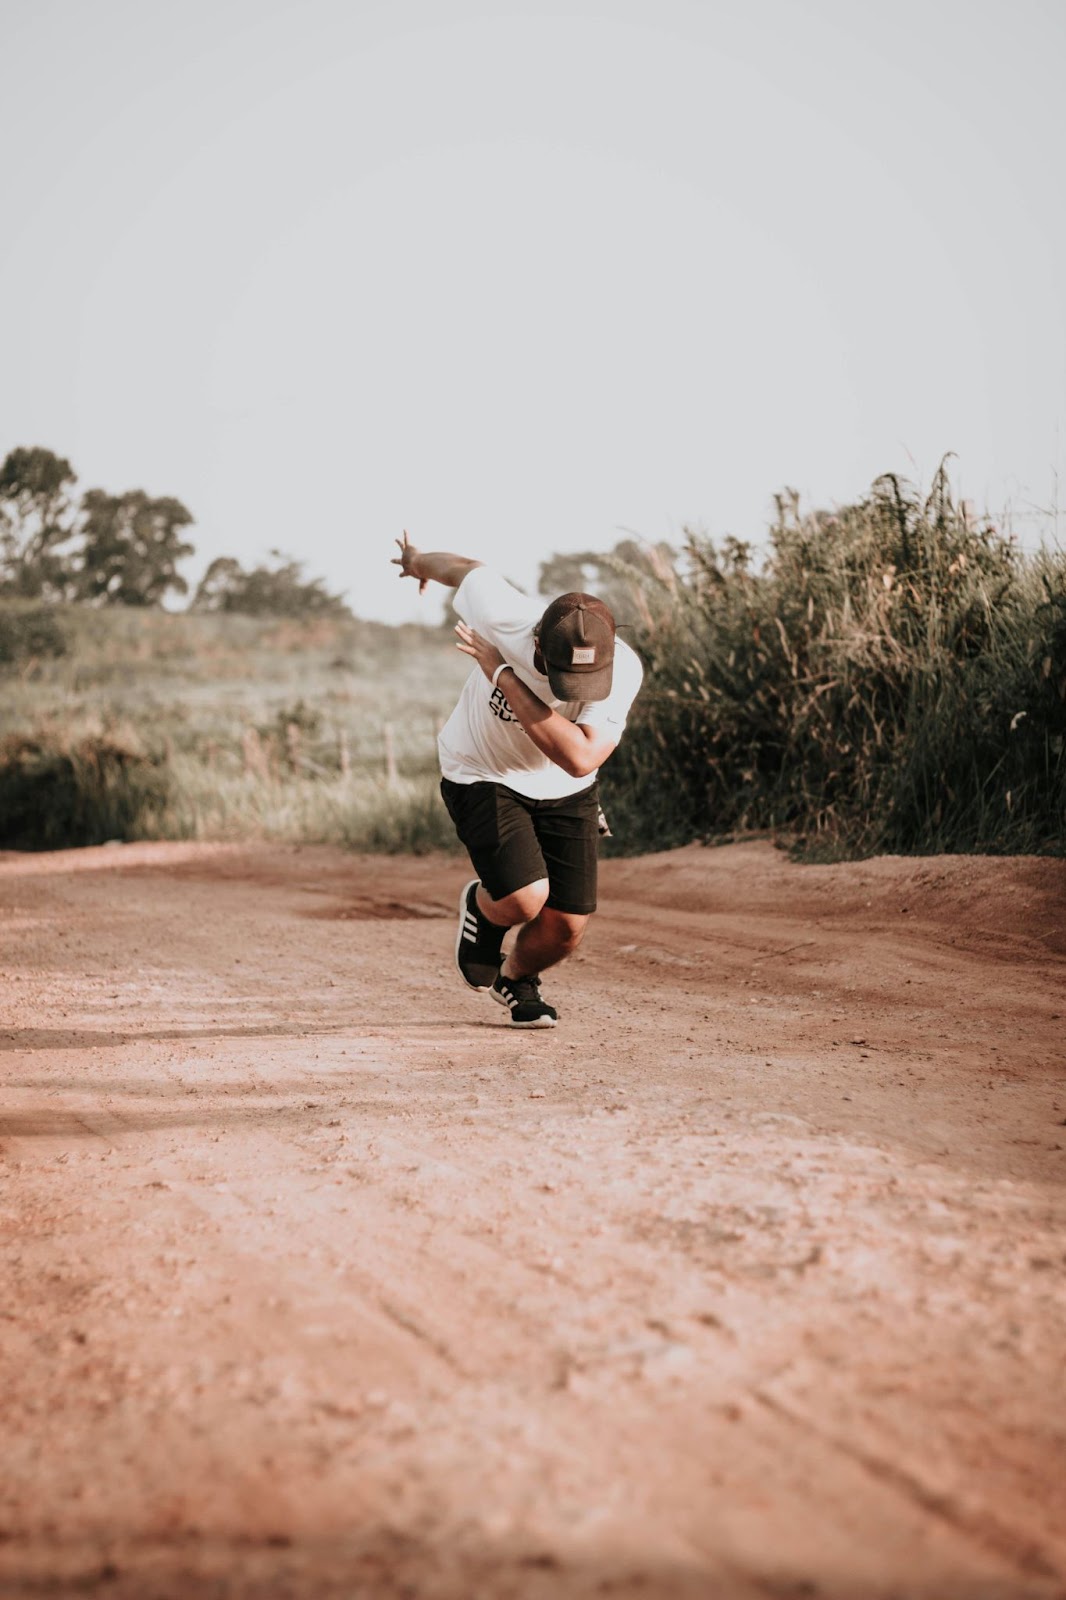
x=526 y=278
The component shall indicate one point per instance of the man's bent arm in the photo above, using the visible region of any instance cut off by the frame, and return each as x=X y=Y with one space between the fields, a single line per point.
x=442 y=567
x=577 y=749
x=438 y=566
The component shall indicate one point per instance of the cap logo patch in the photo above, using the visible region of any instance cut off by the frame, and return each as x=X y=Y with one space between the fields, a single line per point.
x=583 y=656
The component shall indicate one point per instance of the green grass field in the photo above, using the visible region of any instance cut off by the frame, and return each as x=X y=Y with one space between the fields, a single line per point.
x=131 y=723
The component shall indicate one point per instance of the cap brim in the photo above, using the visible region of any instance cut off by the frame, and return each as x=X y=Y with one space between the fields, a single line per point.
x=580 y=685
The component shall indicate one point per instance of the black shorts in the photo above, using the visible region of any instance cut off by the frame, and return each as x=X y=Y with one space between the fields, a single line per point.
x=513 y=841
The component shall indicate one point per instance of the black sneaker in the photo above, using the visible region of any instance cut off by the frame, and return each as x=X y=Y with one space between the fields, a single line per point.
x=477 y=943
x=522 y=996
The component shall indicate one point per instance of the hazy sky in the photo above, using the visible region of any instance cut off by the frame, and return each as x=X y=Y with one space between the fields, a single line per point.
x=518 y=276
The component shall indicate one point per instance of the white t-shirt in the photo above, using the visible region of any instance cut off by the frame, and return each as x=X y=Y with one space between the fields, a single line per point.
x=483 y=740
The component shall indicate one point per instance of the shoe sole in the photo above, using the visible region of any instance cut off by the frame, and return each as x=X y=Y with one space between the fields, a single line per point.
x=478 y=988
x=539 y=1022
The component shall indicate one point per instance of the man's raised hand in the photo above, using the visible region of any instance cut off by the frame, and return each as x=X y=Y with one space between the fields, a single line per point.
x=406 y=561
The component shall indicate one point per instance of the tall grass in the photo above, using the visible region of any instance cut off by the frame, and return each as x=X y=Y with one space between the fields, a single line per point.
x=359 y=810
x=892 y=677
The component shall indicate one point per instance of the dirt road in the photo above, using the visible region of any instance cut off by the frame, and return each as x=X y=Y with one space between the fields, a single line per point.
x=317 y=1279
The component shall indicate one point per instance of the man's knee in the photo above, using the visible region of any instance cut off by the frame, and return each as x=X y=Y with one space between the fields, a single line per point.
x=511 y=909
x=566 y=928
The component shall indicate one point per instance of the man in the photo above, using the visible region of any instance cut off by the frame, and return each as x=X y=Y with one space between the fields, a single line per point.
x=537 y=718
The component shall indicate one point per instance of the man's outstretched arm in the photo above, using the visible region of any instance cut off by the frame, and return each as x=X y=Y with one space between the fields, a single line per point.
x=435 y=565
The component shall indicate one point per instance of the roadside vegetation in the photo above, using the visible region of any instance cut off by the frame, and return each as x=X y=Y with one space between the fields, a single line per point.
x=889 y=676
x=124 y=723
x=265 y=709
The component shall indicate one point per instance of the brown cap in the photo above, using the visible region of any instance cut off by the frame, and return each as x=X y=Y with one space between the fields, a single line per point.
x=576 y=636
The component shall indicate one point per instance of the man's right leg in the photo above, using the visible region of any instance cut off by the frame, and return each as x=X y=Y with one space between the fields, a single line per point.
x=483 y=922
x=486 y=920
x=512 y=882
x=496 y=825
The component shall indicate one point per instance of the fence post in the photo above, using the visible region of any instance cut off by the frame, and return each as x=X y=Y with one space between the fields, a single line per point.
x=255 y=756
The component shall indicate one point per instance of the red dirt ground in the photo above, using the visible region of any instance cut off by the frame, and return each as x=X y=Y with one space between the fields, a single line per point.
x=319 y=1280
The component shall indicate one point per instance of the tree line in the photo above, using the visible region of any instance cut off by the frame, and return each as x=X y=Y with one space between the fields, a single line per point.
x=125 y=549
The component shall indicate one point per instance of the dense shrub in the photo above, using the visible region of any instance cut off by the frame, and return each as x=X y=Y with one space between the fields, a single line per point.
x=29 y=633
x=56 y=793
x=892 y=677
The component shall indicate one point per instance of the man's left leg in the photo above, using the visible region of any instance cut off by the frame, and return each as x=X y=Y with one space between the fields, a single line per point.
x=550 y=937
x=568 y=835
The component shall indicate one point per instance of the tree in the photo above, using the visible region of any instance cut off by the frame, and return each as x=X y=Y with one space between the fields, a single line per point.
x=219 y=585
x=278 y=591
x=614 y=576
x=131 y=547
x=567 y=573
x=36 y=520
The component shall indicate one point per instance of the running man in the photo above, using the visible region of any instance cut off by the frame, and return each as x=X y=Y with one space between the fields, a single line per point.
x=537 y=718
